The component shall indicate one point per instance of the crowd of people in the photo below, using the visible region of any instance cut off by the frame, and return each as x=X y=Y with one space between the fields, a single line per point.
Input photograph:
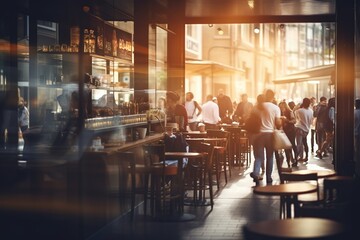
x=297 y=120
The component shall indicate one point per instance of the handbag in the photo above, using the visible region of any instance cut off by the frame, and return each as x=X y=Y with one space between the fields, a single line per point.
x=280 y=140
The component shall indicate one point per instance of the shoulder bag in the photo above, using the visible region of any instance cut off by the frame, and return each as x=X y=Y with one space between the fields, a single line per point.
x=280 y=140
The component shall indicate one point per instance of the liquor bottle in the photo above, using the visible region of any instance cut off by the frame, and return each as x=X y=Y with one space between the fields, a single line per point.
x=100 y=38
x=75 y=38
x=91 y=41
x=86 y=40
x=114 y=43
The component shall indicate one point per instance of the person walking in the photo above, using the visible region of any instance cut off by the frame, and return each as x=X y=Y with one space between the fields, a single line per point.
x=210 y=113
x=225 y=104
x=328 y=120
x=304 y=117
x=288 y=125
x=320 y=115
x=270 y=119
x=313 y=124
x=193 y=110
x=243 y=109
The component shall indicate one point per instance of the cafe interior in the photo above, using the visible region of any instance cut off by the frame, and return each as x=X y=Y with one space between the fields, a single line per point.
x=99 y=160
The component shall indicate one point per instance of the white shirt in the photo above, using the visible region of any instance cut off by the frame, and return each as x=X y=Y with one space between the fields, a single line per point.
x=304 y=117
x=268 y=116
x=24 y=117
x=210 y=112
x=191 y=111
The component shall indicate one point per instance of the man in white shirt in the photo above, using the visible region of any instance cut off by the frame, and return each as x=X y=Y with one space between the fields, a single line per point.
x=270 y=119
x=210 y=113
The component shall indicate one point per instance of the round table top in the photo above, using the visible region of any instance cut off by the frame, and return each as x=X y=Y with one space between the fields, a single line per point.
x=286 y=189
x=206 y=139
x=184 y=154
x=322 y=173
x=195 y=134
x=340 y=178
x=297 y=228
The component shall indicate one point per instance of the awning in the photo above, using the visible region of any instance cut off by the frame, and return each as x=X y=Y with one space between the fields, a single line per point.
x=209 y=67
x=321 y=72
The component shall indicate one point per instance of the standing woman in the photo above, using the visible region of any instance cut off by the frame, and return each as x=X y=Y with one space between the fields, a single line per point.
x=304 y=117
x=176 y=112
x=191 y=106
x=288 y=121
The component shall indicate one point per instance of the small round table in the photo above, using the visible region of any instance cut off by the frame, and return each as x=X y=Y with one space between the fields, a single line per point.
x=322 y=173
x=287 y=191
x=298 y=228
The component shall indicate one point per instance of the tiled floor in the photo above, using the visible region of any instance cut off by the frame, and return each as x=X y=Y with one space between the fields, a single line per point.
x=235 y=206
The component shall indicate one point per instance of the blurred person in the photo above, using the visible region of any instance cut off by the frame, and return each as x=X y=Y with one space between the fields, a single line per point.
x=23 y=115
x=357 y=134
x=243 y=109
x=210 y=113
x=176 y=112
x=303 y=116
x=291 y=105
x=214 y=99
x=288 y=125
x=321 y=117
x=270 y=119
x=328 y=121
x=193 y=110
x=313 y=124
x=225 y=104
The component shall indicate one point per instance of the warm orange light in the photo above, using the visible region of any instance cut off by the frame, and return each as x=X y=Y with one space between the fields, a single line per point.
x=220 y=31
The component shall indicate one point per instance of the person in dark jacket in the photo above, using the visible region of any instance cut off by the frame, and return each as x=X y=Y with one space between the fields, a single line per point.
x=225 y=104
x=175 y=111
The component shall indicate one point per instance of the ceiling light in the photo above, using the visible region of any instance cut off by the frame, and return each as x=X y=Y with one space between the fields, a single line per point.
x=220 y=31
x=210 y=25
x=256 y=30
x=251 y=3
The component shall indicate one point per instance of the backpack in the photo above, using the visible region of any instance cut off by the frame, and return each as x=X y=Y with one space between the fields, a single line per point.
x=253 y=123
x=175 y=143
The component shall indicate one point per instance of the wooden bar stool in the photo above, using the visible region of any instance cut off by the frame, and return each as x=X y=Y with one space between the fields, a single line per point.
x=165 y=189
x=199 y=174
x=221 y=160
x=127 y=163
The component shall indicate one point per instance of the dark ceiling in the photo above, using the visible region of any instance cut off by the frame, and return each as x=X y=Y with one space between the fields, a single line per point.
x=200 y=11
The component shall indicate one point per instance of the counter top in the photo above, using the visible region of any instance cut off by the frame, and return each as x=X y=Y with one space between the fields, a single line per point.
x=127 y=146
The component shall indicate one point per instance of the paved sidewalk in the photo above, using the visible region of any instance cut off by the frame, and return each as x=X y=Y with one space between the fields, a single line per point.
x=235 y=206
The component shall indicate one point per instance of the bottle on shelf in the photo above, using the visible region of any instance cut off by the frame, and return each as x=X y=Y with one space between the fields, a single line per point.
x=91 y=41
x=86 y=40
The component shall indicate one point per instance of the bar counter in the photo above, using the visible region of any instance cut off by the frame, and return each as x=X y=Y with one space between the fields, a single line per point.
x=105 y=183
x=110 y=149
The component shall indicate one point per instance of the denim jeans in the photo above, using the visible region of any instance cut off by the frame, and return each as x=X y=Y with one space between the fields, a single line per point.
x=300 y=138
x=261 y=142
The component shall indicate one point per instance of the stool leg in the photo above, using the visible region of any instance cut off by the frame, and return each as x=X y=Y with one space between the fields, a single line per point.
x=211 y=190
x=146 y=191
x=133 y=192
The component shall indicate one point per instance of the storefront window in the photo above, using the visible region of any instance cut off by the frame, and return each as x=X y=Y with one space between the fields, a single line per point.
x=157 y=66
